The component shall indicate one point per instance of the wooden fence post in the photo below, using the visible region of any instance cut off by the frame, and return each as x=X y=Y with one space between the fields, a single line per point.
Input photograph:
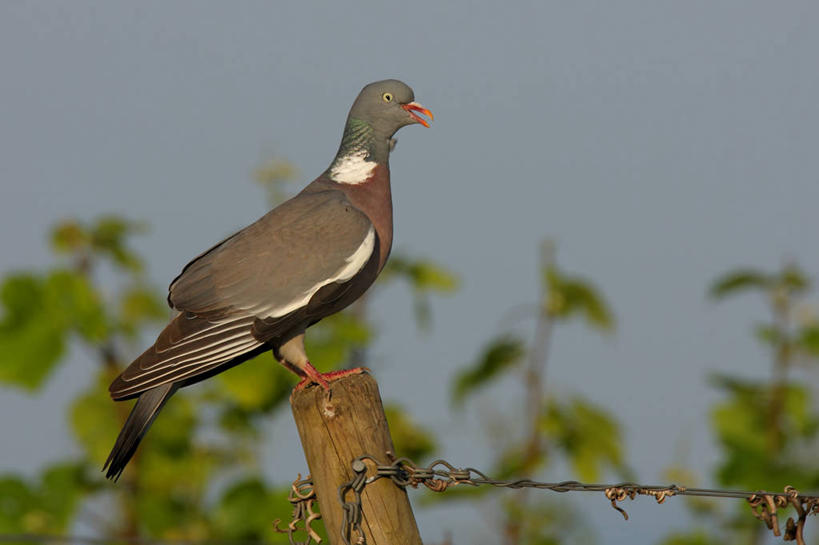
x=337 y=426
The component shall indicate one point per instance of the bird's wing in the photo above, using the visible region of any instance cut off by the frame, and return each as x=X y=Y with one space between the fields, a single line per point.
x=274 y=265
x=266 y=271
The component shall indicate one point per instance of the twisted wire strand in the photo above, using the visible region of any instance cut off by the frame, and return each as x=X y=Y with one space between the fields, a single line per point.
x=441 y=475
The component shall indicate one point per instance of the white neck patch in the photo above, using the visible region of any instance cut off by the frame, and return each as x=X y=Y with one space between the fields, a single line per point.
x=352 y=169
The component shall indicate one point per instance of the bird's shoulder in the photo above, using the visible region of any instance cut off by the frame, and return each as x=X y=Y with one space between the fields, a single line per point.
x=301 y=240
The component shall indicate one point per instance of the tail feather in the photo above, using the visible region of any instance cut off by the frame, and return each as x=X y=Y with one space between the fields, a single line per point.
x=188 y=346
x=148 y=405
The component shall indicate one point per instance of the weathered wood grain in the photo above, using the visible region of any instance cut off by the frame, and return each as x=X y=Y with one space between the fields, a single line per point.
x=337 y=426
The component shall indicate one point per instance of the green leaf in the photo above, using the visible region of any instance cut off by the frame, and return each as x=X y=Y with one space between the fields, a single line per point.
x=793 y=279
x=247 y=508
x=519 y=459
x=44 y=505
x=63 y=486
x=21 y=295
x=238 y=514
x=32 y=332
x=69 y=236
x=71 y=295
x=422 y=274
x=588 y=436
x=698 y=506
x=238 y=421
x=257 y=385
x=501 y=354
x=567 y=296
x=545 y=521
x=17 y=500
x=743 y=424
x=29 y=353
x=39 y=313
x=96 y=419
x=409 y=439
x=332 y=341
x=108 y=237
x=744 y=447
x=739 y=280
x=424 y=277
x=808 y=340
x=768 y=334
x=140 y=305
x=171 y=448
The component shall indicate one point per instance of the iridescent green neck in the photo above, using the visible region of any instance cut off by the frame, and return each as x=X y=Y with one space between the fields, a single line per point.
x=359 y=138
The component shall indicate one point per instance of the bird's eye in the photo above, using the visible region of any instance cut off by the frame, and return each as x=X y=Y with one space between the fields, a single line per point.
x=387 y=97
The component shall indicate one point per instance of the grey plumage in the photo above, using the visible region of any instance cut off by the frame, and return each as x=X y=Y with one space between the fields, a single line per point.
x=222 y=293
x=261 y=288
x=136 y=426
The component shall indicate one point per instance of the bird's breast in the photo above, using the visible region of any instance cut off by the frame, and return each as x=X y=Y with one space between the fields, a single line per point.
x=374 y=198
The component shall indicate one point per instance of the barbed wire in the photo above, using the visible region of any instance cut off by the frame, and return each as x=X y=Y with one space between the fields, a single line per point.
x=302 y=496
x=440 y=475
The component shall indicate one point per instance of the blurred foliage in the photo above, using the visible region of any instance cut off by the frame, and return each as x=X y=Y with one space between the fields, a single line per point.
x=544 y=522
x=587 y=435
x=409 y=439
x=93 y=421
x=425 y=278
x=749 y=461
x=45 y=505
x=41 y=312
x=738 y=281
x=568 y=296
x=274 y=176
x=790 y=281
x=500 y=355
x=701 y=507
x=247 y=509
x=567 y=429
x=197 y=474
x=696 y=537
x=332 y=341
x=256 y=386
x=106 y=237
x=766 y=428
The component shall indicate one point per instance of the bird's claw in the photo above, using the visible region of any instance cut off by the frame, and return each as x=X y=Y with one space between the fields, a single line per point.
x=313 y=376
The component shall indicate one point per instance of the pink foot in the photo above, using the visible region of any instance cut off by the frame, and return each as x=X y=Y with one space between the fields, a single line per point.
x=324 y=379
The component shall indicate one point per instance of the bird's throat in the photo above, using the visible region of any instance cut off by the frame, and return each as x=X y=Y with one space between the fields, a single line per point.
x=359 y=153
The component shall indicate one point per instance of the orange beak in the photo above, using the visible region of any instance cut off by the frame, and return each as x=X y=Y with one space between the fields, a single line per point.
x=413 y=107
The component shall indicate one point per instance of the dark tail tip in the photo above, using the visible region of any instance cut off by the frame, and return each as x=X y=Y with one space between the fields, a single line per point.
x=136 y=426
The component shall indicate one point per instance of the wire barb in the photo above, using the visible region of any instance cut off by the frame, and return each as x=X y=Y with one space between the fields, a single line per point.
x=440 y=475
x=764 y=506
x=302 y=496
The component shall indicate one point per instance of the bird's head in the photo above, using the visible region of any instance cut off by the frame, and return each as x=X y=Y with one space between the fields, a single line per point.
x=387 y=106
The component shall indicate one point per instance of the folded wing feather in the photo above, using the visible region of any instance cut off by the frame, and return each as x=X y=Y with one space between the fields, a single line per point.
x=269 y=269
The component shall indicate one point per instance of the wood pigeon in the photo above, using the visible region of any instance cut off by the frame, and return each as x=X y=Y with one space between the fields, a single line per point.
x=261 y=288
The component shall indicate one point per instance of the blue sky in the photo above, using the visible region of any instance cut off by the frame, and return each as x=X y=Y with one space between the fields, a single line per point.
x=658 y=143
